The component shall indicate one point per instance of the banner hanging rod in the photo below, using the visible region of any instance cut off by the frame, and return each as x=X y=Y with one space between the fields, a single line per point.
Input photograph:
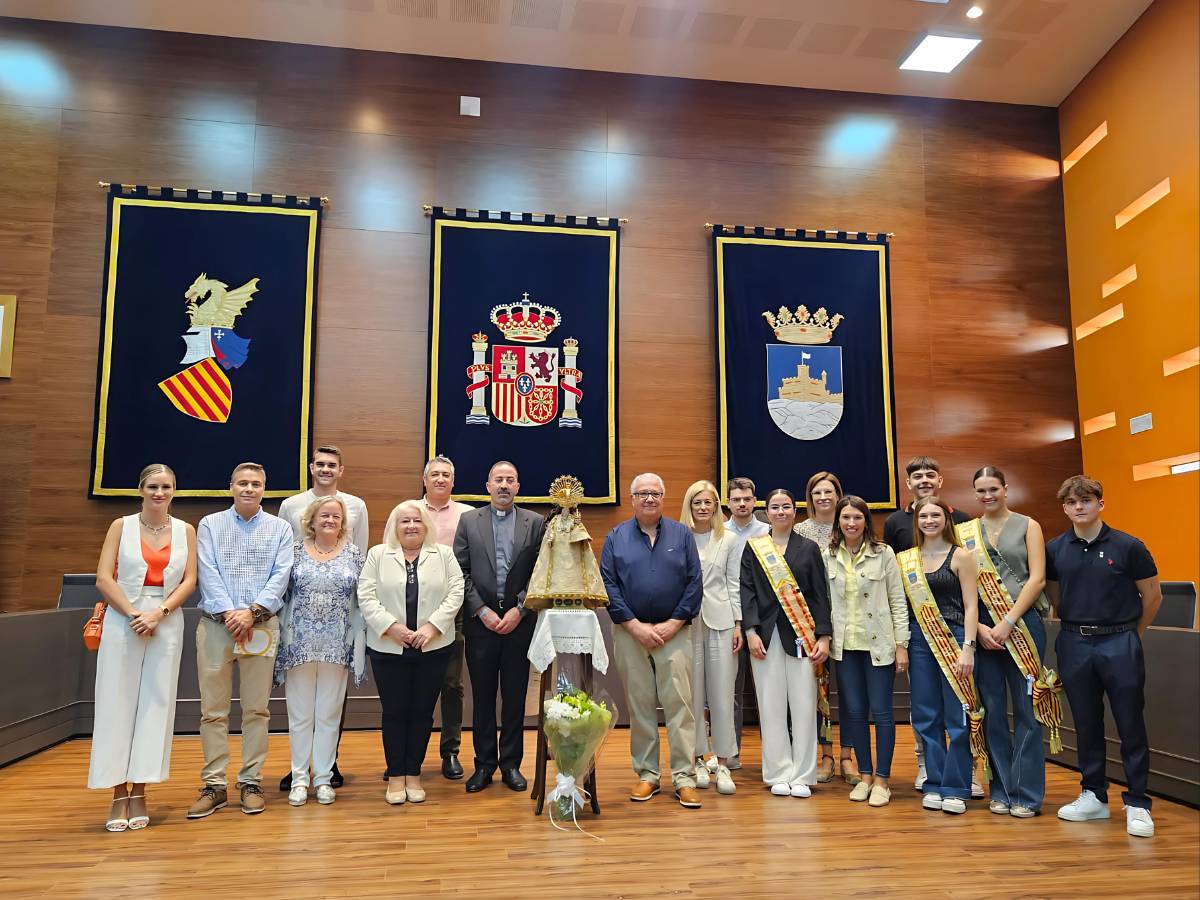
x=428 y=208
x=805 y=231
x=251 y=195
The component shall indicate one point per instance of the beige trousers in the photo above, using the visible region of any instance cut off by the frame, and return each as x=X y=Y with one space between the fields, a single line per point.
x=214 y=662
x=653 y=677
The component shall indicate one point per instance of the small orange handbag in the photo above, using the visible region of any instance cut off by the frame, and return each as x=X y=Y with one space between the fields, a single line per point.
x=94 y=628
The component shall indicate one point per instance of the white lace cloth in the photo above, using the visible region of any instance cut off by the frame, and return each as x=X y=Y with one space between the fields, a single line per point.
x=568 y=631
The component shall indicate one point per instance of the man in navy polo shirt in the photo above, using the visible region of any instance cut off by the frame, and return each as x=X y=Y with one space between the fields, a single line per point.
x=1104 y=585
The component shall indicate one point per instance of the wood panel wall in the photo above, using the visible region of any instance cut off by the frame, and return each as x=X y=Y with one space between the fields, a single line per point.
x=982 y=366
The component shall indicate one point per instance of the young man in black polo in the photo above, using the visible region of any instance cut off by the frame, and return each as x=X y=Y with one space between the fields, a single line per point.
x=1104 y=585
x=923 y=478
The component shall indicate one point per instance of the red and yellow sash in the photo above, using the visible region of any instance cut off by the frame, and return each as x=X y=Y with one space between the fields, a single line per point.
x=791 y=599
x=942 y=642
x=1043 y=682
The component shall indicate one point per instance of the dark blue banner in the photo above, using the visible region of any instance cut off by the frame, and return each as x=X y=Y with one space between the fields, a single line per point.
x=804 y=360
x=523 y=350
x=206 y=340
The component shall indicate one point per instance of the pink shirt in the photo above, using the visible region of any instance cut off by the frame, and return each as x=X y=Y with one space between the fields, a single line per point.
x=445 y=519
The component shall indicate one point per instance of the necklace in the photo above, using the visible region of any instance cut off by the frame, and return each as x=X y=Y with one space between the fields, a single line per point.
x=321 y=552
x=154 y=529
x=993 y=534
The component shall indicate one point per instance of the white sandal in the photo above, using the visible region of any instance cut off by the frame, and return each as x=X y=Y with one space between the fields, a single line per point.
x=137 y=823
x=118 y=823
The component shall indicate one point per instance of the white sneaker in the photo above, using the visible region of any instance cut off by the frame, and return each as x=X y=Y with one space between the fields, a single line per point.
x=932 y=801
x=735 y=763
x=954 y=805
x=1083 y=808
x=999 y=807
x=712 y=765
x=326 y=794
x=702 y=779
x=725 y=783
x=298 y=795
x=800 y=789
x=783 y=789
x=1138 y=822
x=976 y=790
x=919 y=782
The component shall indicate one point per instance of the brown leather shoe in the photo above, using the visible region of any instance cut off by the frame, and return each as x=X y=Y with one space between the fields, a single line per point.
x=210 y=800
x=688 y=798
x=643 y=791
x=253 y=800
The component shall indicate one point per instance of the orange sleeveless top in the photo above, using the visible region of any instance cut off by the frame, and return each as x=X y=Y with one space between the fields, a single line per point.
x=156 y=564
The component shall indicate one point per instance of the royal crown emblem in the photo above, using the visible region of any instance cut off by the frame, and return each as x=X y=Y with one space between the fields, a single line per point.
x=800 y=327
x=203 y=390
x=525 y=322
x=525 y=380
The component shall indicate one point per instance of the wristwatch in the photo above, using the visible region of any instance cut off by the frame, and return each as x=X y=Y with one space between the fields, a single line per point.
x=903 y=644
x=166 y=610
x=260 y=613
x=970 y=644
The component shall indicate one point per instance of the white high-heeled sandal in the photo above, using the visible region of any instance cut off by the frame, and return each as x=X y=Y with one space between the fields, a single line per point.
x=118 y=823
x=137 y=823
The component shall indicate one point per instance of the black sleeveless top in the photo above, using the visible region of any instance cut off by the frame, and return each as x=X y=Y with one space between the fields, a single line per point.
x=947 y=591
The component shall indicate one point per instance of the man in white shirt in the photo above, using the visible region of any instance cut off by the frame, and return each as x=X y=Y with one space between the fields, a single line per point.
x=439 y=484
x=745 y=525
x=326 y=469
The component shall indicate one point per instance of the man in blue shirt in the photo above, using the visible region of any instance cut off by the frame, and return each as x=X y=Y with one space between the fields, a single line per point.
x=244 y=557
x=651 y=571
x=1104 y=585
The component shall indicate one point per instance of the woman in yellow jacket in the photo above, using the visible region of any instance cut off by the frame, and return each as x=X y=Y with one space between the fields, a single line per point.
x=870 y=641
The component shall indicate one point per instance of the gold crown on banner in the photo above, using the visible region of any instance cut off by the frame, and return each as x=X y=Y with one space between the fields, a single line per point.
x=801 y=327
x=525 y=322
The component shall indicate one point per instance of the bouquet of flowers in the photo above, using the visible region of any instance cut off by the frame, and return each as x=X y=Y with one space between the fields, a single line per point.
x=576 y=725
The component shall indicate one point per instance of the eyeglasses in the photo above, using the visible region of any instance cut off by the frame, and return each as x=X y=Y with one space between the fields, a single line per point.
x=648 y=495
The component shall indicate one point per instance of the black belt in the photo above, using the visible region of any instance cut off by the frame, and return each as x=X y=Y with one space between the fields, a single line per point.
x=1098 y=630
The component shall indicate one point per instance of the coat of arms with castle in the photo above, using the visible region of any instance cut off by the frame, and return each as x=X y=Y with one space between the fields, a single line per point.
x=525 y=378
x=802 y=404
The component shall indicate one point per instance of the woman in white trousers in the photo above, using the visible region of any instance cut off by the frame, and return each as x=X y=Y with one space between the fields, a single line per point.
x=147 y=570
x=785 y=673
x=717 y=635
x=319 y=627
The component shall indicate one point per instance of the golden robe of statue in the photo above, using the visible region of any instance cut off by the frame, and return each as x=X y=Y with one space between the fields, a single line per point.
x=566 y=573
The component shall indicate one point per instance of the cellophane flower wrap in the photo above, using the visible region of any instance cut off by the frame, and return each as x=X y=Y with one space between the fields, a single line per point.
x=576 y=725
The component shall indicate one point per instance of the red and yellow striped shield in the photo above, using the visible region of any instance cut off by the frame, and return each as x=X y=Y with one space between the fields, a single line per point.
x=201 y=391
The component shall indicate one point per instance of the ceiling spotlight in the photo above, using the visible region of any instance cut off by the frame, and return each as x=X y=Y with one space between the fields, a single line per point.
x=974 y=12
x=938 y=53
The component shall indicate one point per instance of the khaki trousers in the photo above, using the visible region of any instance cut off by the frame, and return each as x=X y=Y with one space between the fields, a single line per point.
x=214 y=662
x=653 y=677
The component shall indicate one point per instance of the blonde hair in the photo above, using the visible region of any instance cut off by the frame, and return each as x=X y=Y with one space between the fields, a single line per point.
x=306 y=520
x=389 y=530
x=154 y=469
x=685 y=515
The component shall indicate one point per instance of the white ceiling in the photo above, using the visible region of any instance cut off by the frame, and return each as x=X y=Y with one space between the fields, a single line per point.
x=1033 y=51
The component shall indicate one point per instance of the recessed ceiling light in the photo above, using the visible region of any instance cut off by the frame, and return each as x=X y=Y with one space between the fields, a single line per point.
x=974 y=12
x=1180 y=469
x=938 y=53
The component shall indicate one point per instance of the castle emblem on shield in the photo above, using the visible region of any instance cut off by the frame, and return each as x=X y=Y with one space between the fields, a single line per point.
x=525 y=378
x=804 y=381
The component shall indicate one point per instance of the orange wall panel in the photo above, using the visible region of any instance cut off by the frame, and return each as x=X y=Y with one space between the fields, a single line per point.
x=1147 y=90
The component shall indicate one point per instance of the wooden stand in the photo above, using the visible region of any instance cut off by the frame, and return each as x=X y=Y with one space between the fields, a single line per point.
x=542 y=753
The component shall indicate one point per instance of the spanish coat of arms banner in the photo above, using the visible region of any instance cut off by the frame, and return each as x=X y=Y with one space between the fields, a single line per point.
x=206 y=339
x=523 y=350
x=804 y=364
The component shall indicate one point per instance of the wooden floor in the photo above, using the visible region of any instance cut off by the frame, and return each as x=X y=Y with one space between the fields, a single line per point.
x=490 y=845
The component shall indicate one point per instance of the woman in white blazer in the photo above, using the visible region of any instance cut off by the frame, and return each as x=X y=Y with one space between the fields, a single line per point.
x=409 y=592
x=718 y=637
x=147 y=570
x=870 y=641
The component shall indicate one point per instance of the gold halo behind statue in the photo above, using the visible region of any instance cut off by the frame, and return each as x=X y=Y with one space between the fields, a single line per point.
x=566 y=575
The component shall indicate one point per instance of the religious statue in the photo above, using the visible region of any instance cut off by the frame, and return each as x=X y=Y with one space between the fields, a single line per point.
x=566 y=575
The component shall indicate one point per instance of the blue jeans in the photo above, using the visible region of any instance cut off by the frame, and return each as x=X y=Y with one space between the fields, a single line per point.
x=1018 y=760
x=939 y=719
x=862 y=686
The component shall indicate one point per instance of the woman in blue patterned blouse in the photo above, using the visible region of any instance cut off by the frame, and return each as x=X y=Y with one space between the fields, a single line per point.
x=318 y=645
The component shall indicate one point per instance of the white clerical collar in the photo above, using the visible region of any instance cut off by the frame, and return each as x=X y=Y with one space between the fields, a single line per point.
x=499 y=513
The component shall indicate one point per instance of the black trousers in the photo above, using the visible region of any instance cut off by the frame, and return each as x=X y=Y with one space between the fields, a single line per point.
x=498 y=662
x=408 y=685
x=1091 y=668
x=452 y=695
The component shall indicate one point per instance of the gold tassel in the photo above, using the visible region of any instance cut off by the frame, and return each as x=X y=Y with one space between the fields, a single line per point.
x=979 y=744
x=1047 y=707
x=823 y=707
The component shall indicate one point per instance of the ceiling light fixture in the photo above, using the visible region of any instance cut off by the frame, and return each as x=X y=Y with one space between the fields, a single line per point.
x=974 y=12
x=938 y=53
